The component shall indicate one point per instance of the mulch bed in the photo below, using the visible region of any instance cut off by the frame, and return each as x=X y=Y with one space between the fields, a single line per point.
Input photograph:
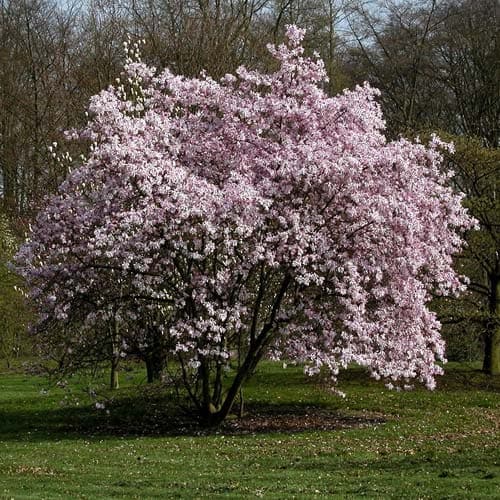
x=318 y=419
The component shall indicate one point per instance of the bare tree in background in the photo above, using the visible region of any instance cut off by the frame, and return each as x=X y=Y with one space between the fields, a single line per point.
x=55 y=55
x=35 y=65
x=436 y=62
x=393 y=50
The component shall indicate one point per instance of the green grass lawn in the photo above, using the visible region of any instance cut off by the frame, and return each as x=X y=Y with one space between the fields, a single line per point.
x=419 y=444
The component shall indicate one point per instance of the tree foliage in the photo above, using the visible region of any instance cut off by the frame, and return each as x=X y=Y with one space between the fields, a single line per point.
x=228 y=220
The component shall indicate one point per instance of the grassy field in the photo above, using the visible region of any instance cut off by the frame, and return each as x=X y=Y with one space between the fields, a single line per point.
x=297 y=441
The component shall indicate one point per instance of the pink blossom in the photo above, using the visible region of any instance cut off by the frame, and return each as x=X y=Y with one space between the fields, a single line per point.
x=252 y=208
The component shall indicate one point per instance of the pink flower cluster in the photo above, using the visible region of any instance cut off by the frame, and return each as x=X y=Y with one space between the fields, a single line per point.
x=254 y=211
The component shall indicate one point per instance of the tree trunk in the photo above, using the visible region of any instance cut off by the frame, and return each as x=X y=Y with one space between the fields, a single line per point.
x=491 y=363
x=495 y=352
x=155 y=366
x=241 y=409
x=213 y=416
x=487 y=351
x=113 y=379
x=115 y=356
x=155 y=355
x=495 y=337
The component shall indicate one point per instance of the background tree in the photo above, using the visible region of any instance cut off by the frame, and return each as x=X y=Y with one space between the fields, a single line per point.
x=35 y=87
x=478 y=175
x=394 y=51
x=469 y=66
x=437 y=64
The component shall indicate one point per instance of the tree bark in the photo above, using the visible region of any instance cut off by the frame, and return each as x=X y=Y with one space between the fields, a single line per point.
x=212 y=416
x=115 y=356
x=113 y=379
x=155 y=355
x=491 y=362
x=495 y=338
x=155 y=366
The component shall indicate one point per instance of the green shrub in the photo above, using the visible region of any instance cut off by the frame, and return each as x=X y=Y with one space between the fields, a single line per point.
x=13 y=311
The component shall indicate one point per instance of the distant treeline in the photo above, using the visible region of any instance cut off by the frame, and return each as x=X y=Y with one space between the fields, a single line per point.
x=437 y=63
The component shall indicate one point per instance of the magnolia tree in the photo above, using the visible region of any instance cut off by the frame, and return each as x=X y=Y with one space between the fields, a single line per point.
x=255 y=216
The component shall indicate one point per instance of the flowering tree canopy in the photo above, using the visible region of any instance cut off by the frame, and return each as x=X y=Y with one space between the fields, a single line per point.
x=248 y=217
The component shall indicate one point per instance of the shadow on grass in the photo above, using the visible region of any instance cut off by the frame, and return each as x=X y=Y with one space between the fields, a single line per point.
x=24 y=416
x=463 y=377
x=468 y=378
x=138 y=415
x=151 y=414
